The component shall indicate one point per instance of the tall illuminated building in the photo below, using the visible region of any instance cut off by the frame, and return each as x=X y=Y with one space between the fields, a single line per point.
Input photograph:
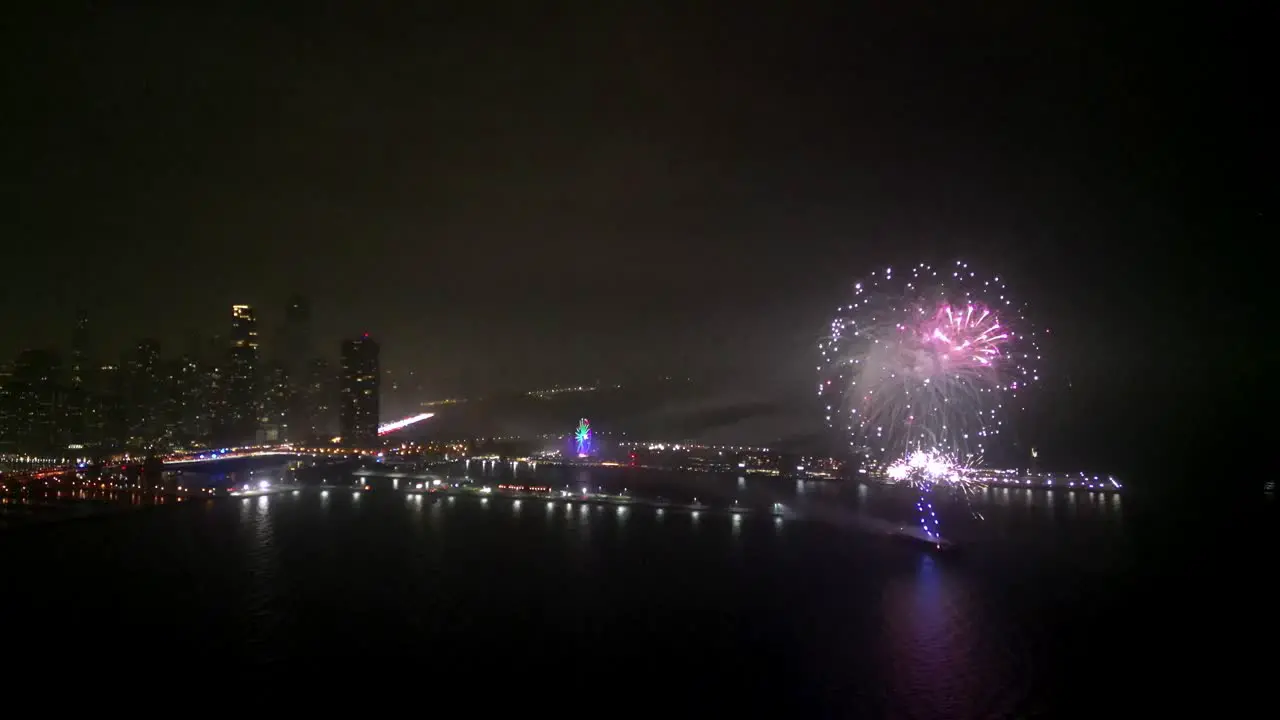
x=242 y=406
x=33 y=400
x=359 y=380
x=80 y=412
x=276 y=400
x=146 y=398
x=293 y=353
x=113 y=404
x=317 y=402
x=183 y=401
x=81 y=365
x=244 y=328
x=213 y=423
x=7 y=442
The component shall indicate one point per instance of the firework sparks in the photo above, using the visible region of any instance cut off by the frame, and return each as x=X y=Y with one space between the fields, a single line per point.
x=926 y=360
x=921 y=370
x=927 y=468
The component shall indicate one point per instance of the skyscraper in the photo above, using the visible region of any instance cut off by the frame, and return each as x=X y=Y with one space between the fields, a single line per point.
x=146 y=394
x=80 y=410
x=112 y=406
x=242 y=375
x=8 y=442
x=317 y=402
x=214 y=425
x=33 y=401
x=81 y=366
x=276 y=399
x=358 y=410
x=244 y=328
x=183 y=401
x=294 y=353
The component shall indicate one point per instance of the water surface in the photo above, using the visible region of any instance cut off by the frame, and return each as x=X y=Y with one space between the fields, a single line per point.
x=1048 y=605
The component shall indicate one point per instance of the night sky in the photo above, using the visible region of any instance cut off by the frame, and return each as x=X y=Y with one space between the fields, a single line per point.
x=525 y=194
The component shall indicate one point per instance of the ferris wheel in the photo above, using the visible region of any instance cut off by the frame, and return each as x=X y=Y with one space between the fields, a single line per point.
x=582 y=436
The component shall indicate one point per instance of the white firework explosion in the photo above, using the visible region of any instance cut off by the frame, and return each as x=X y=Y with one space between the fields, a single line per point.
x=924 y=362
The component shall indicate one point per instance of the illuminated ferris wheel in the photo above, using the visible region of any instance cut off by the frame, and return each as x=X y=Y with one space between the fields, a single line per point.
x=582 y=437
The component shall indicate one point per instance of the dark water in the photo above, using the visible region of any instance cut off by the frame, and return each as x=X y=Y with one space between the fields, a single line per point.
x=1053 y=609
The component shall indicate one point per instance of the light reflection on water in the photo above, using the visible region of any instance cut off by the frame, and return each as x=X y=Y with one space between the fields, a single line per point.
x=928 y=624
x=723 y=490
x=884 y=629
x=991 y=513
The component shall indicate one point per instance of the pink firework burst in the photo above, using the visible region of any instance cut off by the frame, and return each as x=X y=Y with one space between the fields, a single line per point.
x=969 y=335
x=927 y=357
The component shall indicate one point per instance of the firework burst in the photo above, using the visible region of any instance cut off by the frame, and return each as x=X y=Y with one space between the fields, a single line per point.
x=924 y=363
x=924 y=469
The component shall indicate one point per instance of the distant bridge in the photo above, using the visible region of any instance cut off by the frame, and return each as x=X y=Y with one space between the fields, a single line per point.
x=286 y=450
x=291 y=450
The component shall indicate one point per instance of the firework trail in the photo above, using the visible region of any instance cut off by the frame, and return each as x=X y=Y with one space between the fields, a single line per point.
x=919 y=370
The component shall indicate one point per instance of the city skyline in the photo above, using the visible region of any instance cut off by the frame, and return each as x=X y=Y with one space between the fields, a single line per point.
x=222 y=389
x=88 y=344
